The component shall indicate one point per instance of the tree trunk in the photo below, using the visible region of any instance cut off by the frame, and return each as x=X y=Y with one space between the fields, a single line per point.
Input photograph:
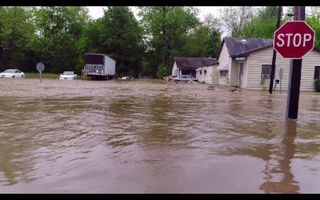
x=166 y=58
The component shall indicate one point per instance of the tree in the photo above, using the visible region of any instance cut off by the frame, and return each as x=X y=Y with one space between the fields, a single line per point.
x=59 y=30
x=119 y=36
x=167 y=28
x=16 y=32
x=263 y=25
x=203 y=42
x=315 y=25
x=1 y=43
x=235 y=18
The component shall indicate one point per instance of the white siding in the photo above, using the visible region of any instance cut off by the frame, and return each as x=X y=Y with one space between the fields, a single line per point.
x=223 y=80
x=175 y=70
x=258 y=58
x=208 y=77
x=110 y=66
x=215 y=75
x=234 y=73
x=245 y=74
x=198 y=75
x=235 y=70
x=224 y=60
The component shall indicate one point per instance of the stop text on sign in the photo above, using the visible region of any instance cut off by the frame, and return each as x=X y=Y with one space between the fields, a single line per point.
x=293 y=39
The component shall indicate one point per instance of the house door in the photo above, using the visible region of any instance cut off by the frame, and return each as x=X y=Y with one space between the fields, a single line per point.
x=240 y=75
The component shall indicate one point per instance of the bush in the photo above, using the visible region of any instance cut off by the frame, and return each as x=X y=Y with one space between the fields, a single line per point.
x=162 y=71
x=317 y=85
x=43 y=75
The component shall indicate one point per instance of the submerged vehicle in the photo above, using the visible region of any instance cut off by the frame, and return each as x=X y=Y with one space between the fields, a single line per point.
x=186 y=78
x=68 y=75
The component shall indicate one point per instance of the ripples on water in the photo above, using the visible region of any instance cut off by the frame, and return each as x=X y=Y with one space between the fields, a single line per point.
x=148 y=136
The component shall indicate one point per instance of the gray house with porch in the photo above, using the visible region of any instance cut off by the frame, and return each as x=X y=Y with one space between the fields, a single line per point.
x=246 y=63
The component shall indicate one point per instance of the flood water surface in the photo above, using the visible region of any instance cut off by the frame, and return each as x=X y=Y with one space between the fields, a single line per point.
x=152 y=137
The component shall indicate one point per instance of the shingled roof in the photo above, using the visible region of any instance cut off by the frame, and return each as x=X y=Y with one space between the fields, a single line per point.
x=188 y=63
x=243 y=47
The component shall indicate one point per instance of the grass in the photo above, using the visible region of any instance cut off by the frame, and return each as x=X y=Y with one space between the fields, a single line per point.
x=43 y=75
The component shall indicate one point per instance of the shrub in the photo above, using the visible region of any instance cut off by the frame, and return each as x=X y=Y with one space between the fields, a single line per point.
x=162 y=71
x=317 y=85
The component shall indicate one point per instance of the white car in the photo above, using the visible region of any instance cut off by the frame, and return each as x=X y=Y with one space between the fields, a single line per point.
x=68 y=75
x=184 y=78
x=12 y=73
x=126 y=78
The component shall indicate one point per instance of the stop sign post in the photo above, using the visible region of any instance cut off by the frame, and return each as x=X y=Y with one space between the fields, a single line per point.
x=294 y=39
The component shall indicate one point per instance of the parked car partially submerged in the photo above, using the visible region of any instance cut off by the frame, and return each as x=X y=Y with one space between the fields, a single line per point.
x=68 y=75
x=126 y=78
x=184 y=78
x=12 y=73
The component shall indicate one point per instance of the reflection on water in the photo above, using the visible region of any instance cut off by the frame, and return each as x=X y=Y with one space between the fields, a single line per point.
x=279 y=177
x=149 y=136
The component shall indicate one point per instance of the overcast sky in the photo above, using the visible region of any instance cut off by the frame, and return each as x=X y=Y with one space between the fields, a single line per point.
x=97 y=11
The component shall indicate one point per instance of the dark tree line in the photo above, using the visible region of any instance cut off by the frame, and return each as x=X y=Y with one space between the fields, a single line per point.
x=59 y=36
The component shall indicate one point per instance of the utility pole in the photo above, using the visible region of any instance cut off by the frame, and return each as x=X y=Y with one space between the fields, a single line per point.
x=295 y=75
x=273 y=65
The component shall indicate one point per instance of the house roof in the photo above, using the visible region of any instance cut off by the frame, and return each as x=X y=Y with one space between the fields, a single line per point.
x=244 y=46
x=189 y=63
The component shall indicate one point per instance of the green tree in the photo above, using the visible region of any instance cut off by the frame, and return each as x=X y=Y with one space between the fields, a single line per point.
x=263 y=25
x=313 y=22
x=205 y=41
x=89 y=40
x=1 y=43
x=235 y=18
x=120 y=37
x=16 y=32
x=59 y=32
x=166 y=28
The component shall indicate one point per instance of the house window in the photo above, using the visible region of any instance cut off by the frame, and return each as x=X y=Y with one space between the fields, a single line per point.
x=265 y=72
x=223 y=72
x=317 y=72
x=205 y=72
x=200 y=72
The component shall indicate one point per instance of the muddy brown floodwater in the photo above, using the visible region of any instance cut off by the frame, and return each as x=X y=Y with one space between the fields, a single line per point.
x=146 y=136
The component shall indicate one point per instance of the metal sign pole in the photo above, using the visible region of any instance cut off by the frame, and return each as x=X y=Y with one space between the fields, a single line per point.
x=294 y=89
x=280 y=77
x=294 y=75
x=274 y=55
x=40 y=68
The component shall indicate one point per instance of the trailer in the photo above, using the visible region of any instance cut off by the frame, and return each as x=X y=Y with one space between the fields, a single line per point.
x=99 y=66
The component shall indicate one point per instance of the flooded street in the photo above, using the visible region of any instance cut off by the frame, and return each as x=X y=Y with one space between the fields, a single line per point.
x=146 y=136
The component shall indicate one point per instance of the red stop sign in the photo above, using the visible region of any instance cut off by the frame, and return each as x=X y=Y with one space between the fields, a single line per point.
x=294 y=39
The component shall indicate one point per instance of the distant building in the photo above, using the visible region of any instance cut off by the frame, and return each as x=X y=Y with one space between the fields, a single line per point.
x=197 y=67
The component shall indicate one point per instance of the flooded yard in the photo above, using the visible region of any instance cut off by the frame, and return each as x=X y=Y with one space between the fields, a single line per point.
x=146 y=136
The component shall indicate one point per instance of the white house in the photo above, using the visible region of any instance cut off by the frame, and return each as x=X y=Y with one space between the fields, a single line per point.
x=246 y=63
x=200 y=68
x=207 y=74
